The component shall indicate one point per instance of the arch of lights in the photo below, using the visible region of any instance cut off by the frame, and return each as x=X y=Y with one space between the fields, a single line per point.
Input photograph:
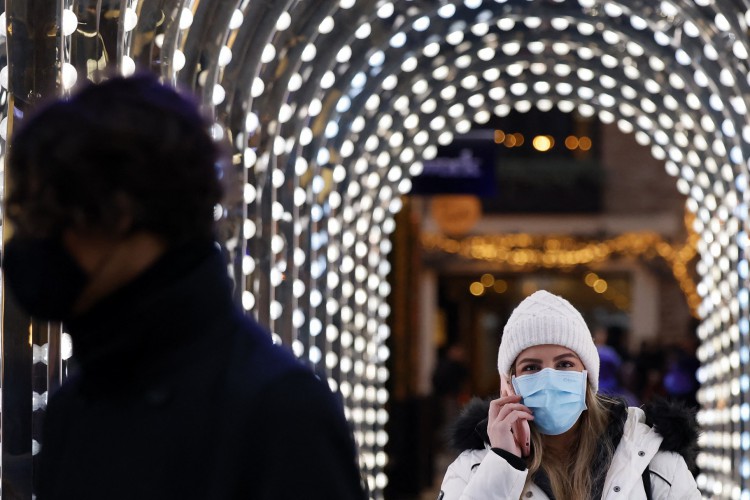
x=329 y=107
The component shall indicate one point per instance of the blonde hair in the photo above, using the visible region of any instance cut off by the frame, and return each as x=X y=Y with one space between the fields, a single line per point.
x=571 y=475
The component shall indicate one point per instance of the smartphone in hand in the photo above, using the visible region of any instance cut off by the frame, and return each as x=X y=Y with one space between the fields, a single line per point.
x=523 y=436
x=521 y=431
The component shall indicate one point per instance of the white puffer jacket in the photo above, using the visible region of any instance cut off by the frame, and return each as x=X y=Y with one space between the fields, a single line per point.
x=481 y=474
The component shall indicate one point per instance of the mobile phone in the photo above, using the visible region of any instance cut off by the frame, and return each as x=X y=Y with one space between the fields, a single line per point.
x=521 y=431
x=522 y=434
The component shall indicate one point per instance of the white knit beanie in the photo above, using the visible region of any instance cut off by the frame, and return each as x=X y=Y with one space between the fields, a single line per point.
x=544 y=318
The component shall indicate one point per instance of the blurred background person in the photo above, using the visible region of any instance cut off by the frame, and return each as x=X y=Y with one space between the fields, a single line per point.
x=178 y=394
x=610 y=369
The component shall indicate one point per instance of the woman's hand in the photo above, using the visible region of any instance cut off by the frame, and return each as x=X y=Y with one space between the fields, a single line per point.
x=507 y=425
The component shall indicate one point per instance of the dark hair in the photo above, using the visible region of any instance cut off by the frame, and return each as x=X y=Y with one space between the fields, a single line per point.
x=128 y=149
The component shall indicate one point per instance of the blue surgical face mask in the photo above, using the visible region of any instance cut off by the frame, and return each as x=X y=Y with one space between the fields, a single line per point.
x=555 y=397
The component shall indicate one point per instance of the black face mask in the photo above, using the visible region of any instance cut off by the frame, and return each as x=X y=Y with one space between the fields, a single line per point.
x=43 y=276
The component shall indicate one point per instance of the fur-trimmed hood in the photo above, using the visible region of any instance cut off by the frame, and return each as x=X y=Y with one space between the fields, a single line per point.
x=674 y=421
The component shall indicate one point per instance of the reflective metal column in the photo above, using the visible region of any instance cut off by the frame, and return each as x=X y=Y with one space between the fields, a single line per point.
x=32 y=42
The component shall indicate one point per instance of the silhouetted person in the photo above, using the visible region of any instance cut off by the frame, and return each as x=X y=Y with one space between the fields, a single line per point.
x=451 y=375
x=680 y=382
x=178 y=395
x=649 y=372
x=450 y=384
x=610 y=376
x=610 y=369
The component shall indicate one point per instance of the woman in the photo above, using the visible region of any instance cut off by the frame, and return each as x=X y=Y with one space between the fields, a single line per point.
x=550 y=436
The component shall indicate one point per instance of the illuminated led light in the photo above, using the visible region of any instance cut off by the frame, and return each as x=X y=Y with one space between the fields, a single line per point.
x=69 y=76
x=535 y=47
x=237 y=19
x=398 y=40
x=69 y=23
x=276 y=309
x=506 y=23
x=268 y=54
x=511 y=48
x=543 y=143
x=560 y=23
x=218 y=94
x=248 y=265
x=178 y=60
x=447 y=11
x=421 y=24
x=532 y=22
x=248 y=300
x=386 y=10
x=309 y=53
x=363 y=31
x=295 y=82
x=186 y=18
x=518 y=88
x=431 y=49
x=327 y=25
x=127 y=66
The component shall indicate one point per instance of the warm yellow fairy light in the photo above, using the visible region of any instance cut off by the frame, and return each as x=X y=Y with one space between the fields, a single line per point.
x=500 y=286
x=600 y=286
x=543 y=143
x=571 y=142
x=487 y=280
x=525 y=251
x=476 y=288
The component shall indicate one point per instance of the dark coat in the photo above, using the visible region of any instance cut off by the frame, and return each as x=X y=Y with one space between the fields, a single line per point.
x=178 y=395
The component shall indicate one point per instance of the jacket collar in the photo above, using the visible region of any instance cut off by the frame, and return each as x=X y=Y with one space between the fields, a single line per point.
x=171 y=304
x=672 y=422
x=677 y=424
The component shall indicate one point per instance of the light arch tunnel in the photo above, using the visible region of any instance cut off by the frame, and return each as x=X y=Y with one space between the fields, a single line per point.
x=330 y=106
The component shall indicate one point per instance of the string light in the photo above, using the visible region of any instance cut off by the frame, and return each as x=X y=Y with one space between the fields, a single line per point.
x=525 y=252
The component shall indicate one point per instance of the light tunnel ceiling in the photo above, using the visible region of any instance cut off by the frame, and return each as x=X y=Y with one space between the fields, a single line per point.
x=331 y=106
x=374 y=95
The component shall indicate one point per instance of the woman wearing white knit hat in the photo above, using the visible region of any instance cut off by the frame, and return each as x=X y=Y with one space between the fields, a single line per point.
x=551 y=436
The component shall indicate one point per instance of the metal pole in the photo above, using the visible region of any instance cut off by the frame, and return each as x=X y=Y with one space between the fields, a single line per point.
x=33 y=74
